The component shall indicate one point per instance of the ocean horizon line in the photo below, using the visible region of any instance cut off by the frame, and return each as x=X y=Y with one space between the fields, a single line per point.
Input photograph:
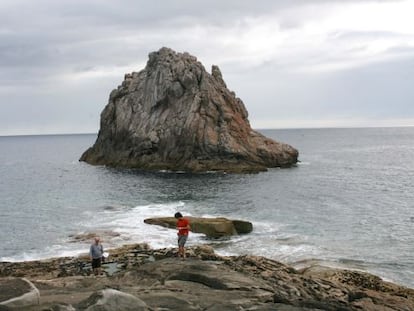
x=257 y=129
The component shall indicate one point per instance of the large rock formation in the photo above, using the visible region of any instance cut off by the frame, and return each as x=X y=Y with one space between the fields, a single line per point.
x=174 y=115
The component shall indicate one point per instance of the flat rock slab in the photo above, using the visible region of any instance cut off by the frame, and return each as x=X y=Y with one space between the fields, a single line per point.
x=213 y=275
x=211 y=227
x=18 y=292
x=112 y=300
x=183 y=282
x=167 y=301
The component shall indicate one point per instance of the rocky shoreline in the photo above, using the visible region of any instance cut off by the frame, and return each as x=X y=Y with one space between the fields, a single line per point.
x=140 y=278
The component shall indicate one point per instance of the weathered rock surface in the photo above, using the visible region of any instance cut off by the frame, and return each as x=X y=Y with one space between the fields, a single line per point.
x=18 y=293
x=174 y=115
x=147 y=279
x=211 y=227
x=112 y=300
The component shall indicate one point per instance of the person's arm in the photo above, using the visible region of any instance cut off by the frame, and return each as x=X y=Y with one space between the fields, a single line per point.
x=90 y=252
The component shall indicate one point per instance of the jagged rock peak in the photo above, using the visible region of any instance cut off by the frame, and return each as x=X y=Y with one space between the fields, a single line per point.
x=174 y=115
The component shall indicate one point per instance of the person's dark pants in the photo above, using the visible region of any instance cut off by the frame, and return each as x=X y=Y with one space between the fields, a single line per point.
x=96 y=263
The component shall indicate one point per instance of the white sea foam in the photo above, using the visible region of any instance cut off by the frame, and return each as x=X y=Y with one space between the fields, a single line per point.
x=130 y=224
x=267 y=239
x=270 y=240
x=58 y=250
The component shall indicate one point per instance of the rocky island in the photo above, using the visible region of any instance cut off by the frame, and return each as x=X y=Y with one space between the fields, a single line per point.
x=174 y=115
x=139 y=278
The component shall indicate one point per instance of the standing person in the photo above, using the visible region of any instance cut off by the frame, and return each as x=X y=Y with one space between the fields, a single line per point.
x=183 y=227
x=95 y=253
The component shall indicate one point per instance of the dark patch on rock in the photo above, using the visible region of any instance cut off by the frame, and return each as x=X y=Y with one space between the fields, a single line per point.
x=13 y=287
x=16 y=293
x=89 y=236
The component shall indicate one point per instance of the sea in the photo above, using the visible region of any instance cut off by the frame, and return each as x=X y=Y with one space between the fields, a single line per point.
x=349 y=203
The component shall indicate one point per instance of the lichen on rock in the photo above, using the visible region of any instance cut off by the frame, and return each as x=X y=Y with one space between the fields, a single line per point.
x=174 y=115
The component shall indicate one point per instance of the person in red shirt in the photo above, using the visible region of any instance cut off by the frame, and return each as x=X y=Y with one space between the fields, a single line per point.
x=183 y=227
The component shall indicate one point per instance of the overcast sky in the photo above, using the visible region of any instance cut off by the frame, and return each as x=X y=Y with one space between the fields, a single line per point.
x=303 y=63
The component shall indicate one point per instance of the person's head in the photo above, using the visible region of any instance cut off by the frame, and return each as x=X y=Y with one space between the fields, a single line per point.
x=178 y=215
x=97 y=240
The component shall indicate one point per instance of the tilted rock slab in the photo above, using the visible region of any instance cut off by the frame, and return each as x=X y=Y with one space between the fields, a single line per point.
x=211 y=227
x=18 y=293
x=112 y=300
x=174 y=115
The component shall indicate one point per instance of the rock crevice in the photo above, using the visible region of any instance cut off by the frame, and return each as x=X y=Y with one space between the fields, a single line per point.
x=174 y=115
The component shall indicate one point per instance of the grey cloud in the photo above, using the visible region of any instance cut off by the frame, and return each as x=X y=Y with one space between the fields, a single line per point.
x=343 y=35
x=56 y=32
x=378 y=91
x=42 y=41
x=402 y=49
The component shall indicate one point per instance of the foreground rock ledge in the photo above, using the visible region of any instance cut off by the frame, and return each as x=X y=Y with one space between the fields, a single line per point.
x=174 y=115
x=139 y=278
x=211 y=227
